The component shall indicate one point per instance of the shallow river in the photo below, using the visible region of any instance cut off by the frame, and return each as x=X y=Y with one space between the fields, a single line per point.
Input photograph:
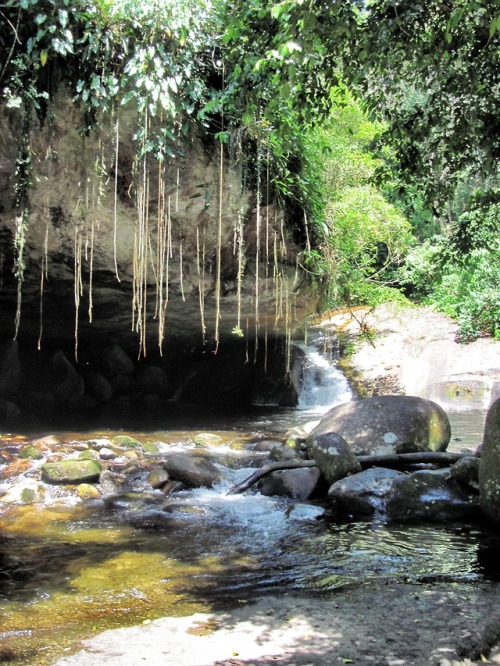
x=71 y=568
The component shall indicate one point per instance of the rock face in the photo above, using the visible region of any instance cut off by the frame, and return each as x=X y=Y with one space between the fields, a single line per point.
x=414 y=351
x=105 y=290
x=387 y=424
x=489 y=466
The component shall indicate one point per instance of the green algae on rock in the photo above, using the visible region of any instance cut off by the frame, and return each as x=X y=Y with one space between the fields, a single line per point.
x=71 y=471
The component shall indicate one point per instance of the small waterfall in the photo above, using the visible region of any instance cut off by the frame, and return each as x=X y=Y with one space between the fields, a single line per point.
x=322 y=385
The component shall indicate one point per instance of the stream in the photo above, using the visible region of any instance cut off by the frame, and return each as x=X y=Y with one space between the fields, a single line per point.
x=69 y=568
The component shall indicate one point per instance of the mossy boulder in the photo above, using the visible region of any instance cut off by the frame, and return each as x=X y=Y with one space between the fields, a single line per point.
x=387 y=424
x=126 y=442
x=71 y=471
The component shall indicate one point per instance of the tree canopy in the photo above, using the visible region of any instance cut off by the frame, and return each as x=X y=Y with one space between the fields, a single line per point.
x=427 y=73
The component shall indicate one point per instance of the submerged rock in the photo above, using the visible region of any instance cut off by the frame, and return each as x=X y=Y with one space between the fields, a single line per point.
x=364 y=493
x=387 y=424
x=429 y=495
x=71 y=471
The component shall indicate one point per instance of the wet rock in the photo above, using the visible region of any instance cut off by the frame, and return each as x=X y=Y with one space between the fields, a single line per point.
x=31 y=452
x=172 y=487
x=194 y=472
x=151 y=448
x=489 y=466
x=466 y=472
x=207 y=439
x=429 y=495
x=332 y=455
x=126 y=442
x=306 y=512
x=111 y=483
x=27 y=491
x=86 y=491
x=388 y=424
x=157 y=478
x=107 y=454
x=89 y=454
x=133 y=500
x=71 y=471
x=365 y=493
x=300 y=484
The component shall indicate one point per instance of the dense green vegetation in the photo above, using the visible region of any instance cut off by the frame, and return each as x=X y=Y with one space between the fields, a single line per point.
x=374 y=124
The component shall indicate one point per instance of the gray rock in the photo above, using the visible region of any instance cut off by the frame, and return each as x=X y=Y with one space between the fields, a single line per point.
x=489 y=466
x=365 y=493
x=388 y=424
x=157 y=478
x=466 y=472
x=306 y=512
x=71 y=471
x=299 y=484
x=429 y=495
x=332 y=455
x=192 y=471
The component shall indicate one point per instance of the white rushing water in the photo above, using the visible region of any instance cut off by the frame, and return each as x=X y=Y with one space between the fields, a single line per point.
x=323 y=385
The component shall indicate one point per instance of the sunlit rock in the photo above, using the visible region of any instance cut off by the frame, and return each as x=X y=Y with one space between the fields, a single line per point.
x=365 y=493
x=71 y=471
x=87 y=491
x=388 y=424
x=489 y=467
x=429 y=495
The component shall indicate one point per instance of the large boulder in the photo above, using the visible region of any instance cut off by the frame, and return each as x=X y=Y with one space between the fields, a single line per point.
x=489 y=466
x=387 y=424
x=429 y=495
x=365 y=493
x=333 y=456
